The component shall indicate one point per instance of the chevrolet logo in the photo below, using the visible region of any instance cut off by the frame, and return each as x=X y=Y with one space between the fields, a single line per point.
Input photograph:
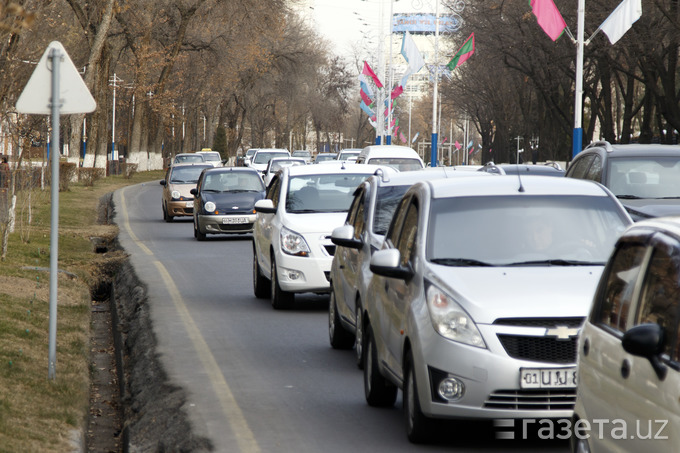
x=561 y=332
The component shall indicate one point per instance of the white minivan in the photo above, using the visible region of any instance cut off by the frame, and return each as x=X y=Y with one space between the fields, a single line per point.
x=401 y=158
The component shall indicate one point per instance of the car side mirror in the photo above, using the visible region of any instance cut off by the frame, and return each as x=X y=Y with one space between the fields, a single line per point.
x=648 y=341
x=163 y=182
x=265 y=206
x=193 y=191
x=387 y=263
x=344 y=237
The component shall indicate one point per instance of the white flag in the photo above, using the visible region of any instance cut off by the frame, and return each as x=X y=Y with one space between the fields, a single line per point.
x=621 y=19
x=412 y=56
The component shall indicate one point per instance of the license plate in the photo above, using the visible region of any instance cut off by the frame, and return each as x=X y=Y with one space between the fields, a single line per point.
x=539 y=378
x=190 y=204
x=235 y=220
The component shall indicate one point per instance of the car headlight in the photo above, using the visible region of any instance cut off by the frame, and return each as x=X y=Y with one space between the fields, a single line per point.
x=209 y=206
x=175 y=195
x=450 y=320
x=293 y=244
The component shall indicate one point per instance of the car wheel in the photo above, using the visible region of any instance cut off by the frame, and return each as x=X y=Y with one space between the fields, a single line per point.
x=379 y=392
x=340 y=338
x=578 y=443
x=418 y=426
x=167 y=217
x=359 y=343
x=280 y=299
x=197 y=232
x=260 y=283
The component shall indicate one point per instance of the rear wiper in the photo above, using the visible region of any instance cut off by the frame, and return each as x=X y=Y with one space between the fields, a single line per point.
x=556 y=262
x=459 y=262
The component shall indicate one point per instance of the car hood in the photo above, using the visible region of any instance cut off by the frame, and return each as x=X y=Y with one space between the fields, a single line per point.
x=183 y=189
x=489 y=293
x=322 y=222
x=234 y=200
x=651 y=207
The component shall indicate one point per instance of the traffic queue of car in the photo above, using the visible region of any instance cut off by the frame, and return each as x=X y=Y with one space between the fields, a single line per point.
x=499 y=294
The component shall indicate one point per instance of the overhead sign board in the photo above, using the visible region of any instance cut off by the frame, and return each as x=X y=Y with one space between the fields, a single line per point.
x=74 y=96
x=425 y=23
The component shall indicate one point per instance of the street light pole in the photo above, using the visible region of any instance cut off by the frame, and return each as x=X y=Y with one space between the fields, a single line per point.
x=433 y=150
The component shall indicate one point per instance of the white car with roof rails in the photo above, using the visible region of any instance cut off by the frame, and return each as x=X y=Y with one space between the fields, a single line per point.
x=292 y=250
x=401 y=158
x=367 y=221
x=478 y=295
x=262 y=156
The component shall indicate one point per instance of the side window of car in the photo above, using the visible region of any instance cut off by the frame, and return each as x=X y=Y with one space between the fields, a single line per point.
x=274 y=190
x=580 y=167
x=397 y=221
x=406 y=243
x=660 y=294
x=618 y=292
x=595 y=170
x=359 y=221
x=352 y=213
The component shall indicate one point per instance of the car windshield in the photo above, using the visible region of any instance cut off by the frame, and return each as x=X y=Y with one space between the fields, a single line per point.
x=233 y=181
x=188 y=158
x=302 y=154
x=324 y=157
x=322 y=193
x=523 y=230
x=347 y=154
x=399 y=163
x=386 y=203
x=644 y=177
x=186 y=175
x=212 y=157
x=265 y=157
x=279 y=164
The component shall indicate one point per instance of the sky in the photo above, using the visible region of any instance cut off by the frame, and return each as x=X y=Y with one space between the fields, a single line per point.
x=343 y=21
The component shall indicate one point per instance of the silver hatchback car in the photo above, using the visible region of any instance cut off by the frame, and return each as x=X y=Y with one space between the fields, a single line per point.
x=478 y=295
x=363 y=232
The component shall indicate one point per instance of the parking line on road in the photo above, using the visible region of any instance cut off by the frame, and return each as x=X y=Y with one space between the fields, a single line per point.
x=234 y=415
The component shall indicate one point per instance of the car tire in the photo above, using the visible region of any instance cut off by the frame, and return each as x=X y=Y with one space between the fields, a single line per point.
x=339 y=337
x=418 y=426
x=359 y=340
x=197 y=232
x=281 y=299
x=167 y=217
x=379 y=392
x=260 y=282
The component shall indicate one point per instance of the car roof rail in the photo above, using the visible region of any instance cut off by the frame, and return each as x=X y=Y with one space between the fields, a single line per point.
x=604 y=143
x=554 y=165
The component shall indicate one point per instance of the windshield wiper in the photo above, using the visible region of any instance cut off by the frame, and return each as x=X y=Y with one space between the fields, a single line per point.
x=302 y=211
x=628 y=197
x=459 y=262
x=556 y=262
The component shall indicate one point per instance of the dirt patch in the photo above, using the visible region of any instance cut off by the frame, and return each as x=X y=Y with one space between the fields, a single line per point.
x=133 y=406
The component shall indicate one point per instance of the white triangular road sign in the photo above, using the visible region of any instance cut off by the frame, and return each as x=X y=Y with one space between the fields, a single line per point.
x=73 y=93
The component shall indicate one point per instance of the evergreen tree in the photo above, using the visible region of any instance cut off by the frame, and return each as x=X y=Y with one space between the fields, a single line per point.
x=220 y=142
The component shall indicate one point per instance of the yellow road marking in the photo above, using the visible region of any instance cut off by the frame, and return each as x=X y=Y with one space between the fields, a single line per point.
x=126 y=224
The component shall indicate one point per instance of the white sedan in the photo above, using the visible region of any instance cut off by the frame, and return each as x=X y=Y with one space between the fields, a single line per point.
x=292 y=249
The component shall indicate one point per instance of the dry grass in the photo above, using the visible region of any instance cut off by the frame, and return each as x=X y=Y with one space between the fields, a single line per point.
x=38 y=414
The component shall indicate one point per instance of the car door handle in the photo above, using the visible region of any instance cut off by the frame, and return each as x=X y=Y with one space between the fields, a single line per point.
x=342 y=266
x=625 y=369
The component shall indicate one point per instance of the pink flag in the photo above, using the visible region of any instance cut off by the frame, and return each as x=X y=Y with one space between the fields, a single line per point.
x=549 y=17
x=401 y=136
x=397 y=91
x=369 y=72
x=458 y=145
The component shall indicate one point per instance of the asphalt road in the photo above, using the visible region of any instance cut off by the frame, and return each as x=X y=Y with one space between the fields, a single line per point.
x=259 y=379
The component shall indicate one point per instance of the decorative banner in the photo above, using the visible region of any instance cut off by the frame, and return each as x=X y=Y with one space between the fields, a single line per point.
x=465 y=52
x=621 y=19
x=369 y=72
x=548 y=17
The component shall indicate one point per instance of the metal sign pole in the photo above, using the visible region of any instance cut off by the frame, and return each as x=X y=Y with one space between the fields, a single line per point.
x=55 y=57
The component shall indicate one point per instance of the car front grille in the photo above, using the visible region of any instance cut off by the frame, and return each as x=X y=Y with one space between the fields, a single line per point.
x=238 y=227
x=543 y=399
x=540 y=349
x=540 y=322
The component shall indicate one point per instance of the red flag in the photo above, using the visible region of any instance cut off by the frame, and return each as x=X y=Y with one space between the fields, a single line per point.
x=369 y=72
x=458 y=145
x=367 y=100
x=465 y=52
x=397 y=91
